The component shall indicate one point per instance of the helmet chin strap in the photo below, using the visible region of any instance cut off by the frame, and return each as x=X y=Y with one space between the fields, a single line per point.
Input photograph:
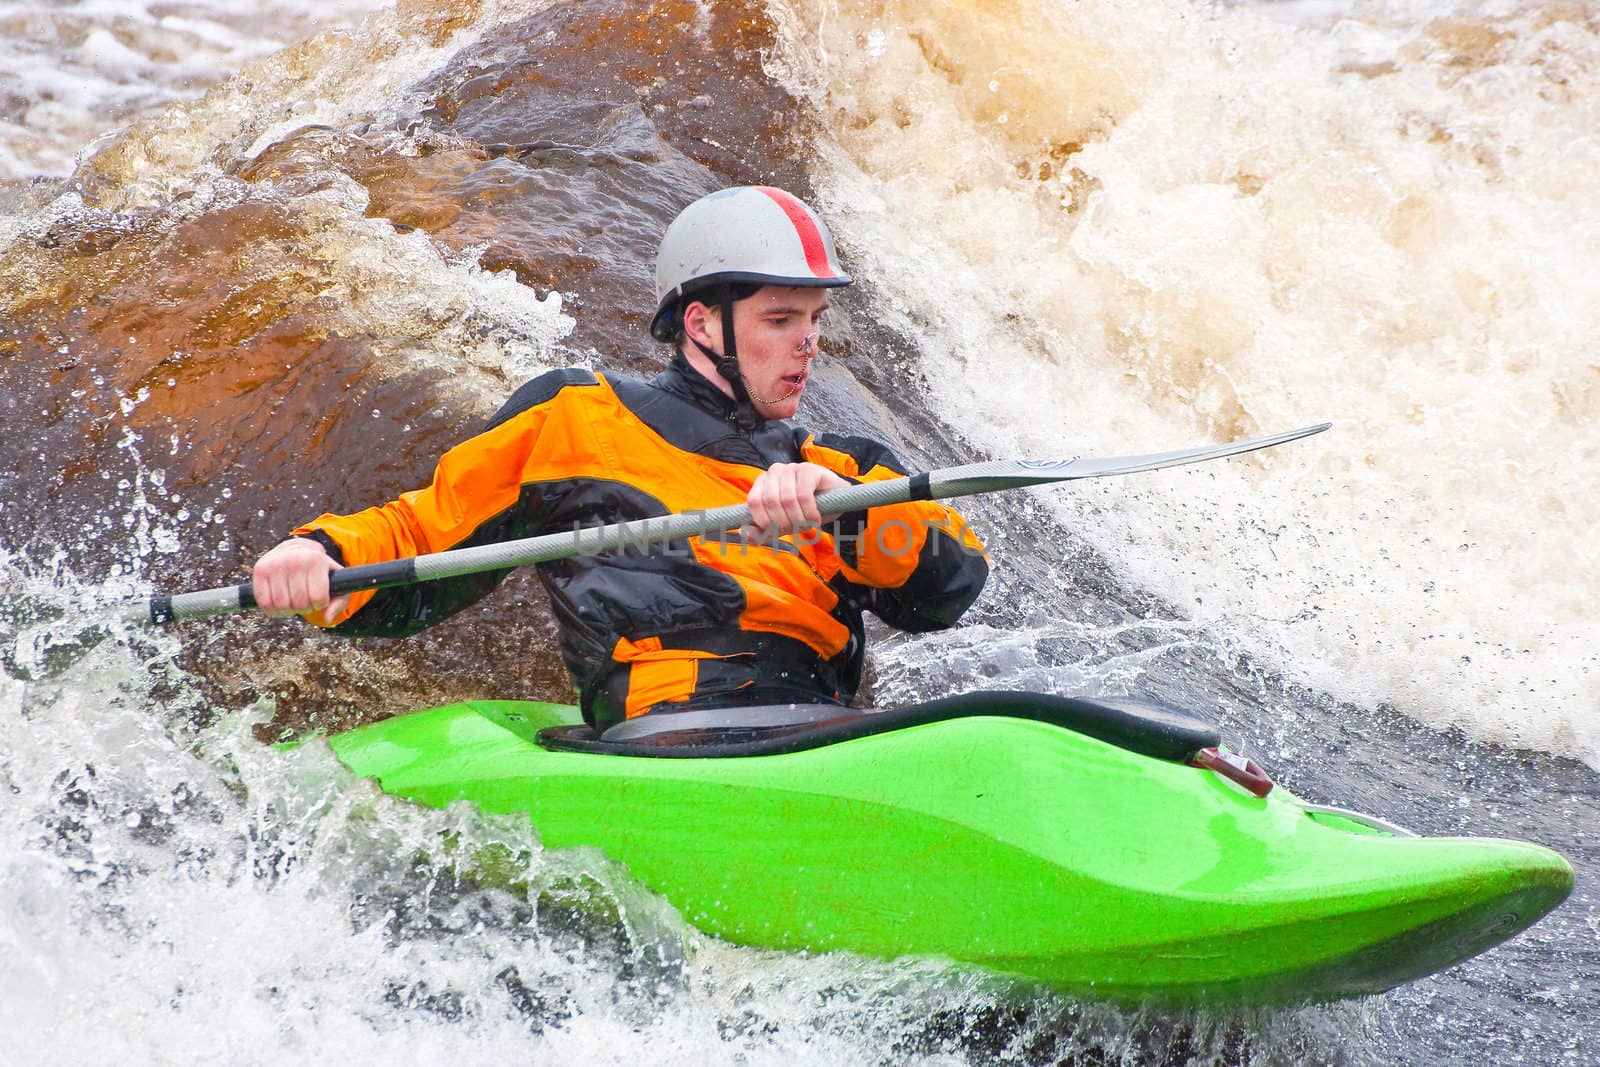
x=728 y=362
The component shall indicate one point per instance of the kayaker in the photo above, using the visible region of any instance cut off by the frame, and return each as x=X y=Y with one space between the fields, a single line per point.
x=772 y=615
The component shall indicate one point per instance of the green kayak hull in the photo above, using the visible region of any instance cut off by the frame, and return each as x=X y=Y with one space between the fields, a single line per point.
x=1021 y=847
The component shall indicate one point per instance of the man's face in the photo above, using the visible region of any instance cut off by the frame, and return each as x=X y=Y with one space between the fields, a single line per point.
x=777 y=337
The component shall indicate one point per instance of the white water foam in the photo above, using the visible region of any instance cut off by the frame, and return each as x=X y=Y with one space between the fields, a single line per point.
x=71 y=72
x=180 y=896
x=419 y=305
x=1123 y=228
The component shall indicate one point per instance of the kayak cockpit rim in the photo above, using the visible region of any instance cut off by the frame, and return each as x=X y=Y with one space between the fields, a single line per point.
x=1143 y=726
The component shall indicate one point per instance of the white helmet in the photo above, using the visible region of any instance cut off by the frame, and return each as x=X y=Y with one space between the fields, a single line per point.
x=750 y=234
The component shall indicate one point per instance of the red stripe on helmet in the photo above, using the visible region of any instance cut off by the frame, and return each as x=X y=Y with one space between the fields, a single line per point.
x=805 y=228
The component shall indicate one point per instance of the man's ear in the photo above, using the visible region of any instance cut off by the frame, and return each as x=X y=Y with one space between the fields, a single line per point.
x=701 y=322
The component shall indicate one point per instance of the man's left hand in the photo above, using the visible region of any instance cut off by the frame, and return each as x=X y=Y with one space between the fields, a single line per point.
x=784 y=498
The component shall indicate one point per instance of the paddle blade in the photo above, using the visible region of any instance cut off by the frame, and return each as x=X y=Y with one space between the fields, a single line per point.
x=1016 y=473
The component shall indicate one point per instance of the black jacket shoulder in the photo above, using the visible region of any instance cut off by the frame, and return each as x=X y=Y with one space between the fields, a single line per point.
x=864 y=450
x=541 y=390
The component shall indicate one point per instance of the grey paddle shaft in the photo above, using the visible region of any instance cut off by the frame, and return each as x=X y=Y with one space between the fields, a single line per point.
x=934 y=485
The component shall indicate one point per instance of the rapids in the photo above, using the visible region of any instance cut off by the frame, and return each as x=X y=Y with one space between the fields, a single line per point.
x=243 y=283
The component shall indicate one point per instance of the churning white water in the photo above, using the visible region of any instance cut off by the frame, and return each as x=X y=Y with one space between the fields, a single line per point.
x=1125 y=227
x=73 y=71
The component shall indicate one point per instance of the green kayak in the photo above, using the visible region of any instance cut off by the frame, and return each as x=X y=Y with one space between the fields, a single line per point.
x=1074 y=843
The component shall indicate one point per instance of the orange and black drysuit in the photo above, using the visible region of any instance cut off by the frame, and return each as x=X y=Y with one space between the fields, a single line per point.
x=707 y=620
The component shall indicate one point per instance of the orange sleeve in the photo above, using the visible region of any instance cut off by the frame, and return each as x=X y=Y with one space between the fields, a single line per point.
x=473 y=482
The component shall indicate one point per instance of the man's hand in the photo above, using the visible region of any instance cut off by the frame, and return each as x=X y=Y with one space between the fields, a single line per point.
x=784 y=498
x=292 y=579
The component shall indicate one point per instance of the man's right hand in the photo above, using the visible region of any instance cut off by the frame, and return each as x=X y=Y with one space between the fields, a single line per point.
x=292 y=579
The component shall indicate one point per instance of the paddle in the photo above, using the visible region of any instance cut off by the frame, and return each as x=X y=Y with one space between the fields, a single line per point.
x=933 y=485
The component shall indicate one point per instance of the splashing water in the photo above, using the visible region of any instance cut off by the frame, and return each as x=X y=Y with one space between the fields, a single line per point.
x=1133 y=227
x=71 y=72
